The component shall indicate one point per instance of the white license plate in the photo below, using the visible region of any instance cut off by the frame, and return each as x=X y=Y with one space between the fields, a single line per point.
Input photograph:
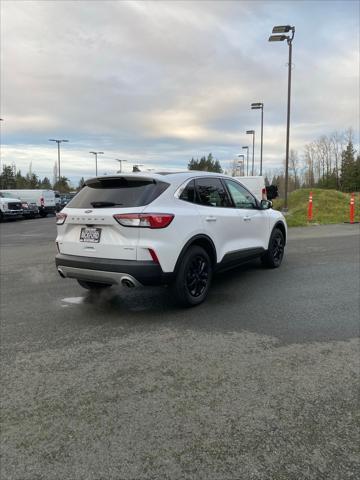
x=91 y=235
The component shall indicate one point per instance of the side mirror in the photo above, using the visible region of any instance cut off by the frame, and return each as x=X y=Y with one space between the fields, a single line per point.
x=265 y=204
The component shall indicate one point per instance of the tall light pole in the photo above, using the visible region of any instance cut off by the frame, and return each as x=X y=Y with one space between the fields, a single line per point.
x=58 y=146
x=241 y=162
x=96 y=154
x=280 y=38
x=120 y=161
x=252 y=132
x=1 y=120
x=260 y=106
x=247 y=161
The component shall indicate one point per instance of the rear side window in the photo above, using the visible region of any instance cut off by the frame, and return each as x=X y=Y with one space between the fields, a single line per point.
x=119 y=192
x=211 y=192
x=188 y=194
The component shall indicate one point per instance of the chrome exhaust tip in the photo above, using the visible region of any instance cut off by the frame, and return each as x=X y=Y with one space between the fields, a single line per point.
x=61 y=273
x=127 y=282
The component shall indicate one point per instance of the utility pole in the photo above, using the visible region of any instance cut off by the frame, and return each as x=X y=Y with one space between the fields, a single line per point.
x=252 y=132
x=120 y=161
x=280 y=38
x=260 y=106
x=58 y=148
x=96 y=154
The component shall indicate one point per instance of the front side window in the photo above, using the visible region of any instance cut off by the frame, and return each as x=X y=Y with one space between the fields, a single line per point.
x=212 y=193
x=241 y=197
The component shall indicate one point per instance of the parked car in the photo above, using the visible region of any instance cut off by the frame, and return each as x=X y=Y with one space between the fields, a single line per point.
x=30 y=210
x=43 y=199
x=165 y=228
x=10 y=206
x=58 y=206
x=64 y=199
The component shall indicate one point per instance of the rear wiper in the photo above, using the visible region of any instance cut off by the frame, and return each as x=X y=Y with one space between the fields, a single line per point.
x=104 y=204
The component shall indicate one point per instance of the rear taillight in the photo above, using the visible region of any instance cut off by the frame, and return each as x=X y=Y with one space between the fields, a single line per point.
x=60 y=218
x=144 y=220
x=263 y=194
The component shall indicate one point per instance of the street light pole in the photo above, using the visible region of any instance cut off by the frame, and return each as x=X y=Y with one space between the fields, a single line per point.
x=58 y=148
x=120 y=161
x=260 y=106
x=1 y=120
x=242 y=163
x=96 y=154
x=247 y=161
x=252 y=132
x=289 y=39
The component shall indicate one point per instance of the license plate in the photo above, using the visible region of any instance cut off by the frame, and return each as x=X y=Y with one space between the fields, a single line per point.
x=91 y=235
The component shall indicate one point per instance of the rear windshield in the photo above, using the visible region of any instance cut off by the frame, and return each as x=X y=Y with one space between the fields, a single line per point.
x=119 y=192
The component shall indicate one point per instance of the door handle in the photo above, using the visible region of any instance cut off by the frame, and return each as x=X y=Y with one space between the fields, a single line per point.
x=247 y=219
x=210 y=219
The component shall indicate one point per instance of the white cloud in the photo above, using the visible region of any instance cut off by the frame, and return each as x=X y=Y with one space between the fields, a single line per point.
x=160 y=82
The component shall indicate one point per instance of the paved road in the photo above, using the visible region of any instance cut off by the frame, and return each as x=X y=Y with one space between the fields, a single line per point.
x=260 y=382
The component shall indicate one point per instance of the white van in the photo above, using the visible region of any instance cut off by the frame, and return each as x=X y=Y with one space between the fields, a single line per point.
x=256 y=185
x=44 y=199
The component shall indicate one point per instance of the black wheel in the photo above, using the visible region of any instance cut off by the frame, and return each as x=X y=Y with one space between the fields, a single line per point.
x=193 y=278
x=93 y=285
x=274 y=255
x=42 y=214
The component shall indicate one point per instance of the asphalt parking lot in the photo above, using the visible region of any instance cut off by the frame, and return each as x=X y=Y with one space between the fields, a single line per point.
x=259 y=382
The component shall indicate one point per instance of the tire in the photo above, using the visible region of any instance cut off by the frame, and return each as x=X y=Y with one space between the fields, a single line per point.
x=93 y=285
x=275 y=253
x=193 y=277
x=42 y=214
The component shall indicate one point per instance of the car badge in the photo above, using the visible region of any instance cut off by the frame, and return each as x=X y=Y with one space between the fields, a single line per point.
x=88 y=211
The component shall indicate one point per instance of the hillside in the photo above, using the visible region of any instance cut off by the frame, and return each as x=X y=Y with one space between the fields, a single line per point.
x=329 y=206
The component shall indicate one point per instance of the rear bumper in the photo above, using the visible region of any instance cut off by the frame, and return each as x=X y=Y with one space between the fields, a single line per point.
x=105 y=270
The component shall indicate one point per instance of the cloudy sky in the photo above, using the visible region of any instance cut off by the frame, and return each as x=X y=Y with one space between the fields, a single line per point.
x=158 y=82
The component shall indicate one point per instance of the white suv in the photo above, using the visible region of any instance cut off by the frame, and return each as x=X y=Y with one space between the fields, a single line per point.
x=165 y=228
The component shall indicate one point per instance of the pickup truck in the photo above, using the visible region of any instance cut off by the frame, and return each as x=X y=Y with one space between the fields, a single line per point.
x=43 y=199
x=10 y=206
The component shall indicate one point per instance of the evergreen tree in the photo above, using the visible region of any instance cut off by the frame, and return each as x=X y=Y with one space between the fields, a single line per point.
x=7 y=178
x=20 y=181
x=350 y=175
x=32 y=180
x=62 y=185
x=45 y=183
x=81 y=183
x=206 y=164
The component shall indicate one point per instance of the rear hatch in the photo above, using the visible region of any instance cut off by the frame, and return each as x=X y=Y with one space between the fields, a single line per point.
x=90 y=229
x=49 y=198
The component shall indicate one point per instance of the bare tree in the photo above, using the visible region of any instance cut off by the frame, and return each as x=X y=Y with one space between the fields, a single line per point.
x=294 y=164
x=337 y=146
x=310 y=160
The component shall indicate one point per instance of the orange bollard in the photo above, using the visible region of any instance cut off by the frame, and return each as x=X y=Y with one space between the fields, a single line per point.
x=310 y=208
x=352 y=208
